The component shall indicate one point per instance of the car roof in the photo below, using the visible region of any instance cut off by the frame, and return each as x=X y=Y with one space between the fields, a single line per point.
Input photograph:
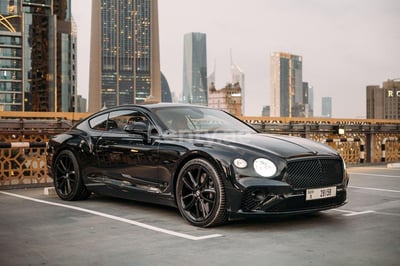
x=150 y=106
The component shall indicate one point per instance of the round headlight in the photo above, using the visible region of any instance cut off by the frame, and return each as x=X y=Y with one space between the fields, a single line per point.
x=264 y=167
x=240 y=163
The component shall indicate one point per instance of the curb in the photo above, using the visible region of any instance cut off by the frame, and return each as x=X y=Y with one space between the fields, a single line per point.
x=393 y=165
x=49 y=191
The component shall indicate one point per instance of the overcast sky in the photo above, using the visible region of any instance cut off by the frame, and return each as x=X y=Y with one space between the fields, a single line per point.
x=345 y=44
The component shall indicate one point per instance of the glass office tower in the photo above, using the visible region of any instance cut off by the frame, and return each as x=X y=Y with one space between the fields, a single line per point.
x=37 y=69
x=125 y=61
x=238 y=76
x=286 y=84
x=195 y=89
x=326 y=107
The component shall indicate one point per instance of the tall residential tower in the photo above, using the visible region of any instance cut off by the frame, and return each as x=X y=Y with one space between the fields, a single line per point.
x=125 y=53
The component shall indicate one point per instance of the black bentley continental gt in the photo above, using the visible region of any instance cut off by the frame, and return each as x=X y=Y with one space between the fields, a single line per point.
x=207 y=163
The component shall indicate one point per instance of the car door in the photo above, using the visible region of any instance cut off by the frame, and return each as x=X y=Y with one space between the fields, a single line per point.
x=128 y=160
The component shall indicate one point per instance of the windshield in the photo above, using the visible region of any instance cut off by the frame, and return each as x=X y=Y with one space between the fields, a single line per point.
x=200 y=119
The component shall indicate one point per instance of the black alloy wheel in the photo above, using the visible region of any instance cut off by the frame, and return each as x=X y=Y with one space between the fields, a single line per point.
x=67 y=178
x=200 y=194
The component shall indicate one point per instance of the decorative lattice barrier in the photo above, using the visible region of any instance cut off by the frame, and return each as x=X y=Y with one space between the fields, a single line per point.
x=23 y=141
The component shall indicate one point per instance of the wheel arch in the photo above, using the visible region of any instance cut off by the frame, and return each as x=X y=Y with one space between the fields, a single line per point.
x=70 y=145
x=216 y=163
x=67 y=179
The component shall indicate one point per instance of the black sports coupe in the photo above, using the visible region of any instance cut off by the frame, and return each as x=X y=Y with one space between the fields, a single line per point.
x=210 y=165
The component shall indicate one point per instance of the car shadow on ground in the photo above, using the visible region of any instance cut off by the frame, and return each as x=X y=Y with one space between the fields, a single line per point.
x=285 y=223
x=148 y=212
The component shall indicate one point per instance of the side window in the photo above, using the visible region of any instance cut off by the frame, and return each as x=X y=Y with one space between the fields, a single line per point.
x=125 y=118
x=119 y=120
x=135 y=117
x=99 y=122
x=113 y=121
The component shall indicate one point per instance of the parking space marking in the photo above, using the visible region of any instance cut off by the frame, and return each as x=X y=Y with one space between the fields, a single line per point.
x=113 y=217
x=362 y=168
x=380 y=175
x=376 y=189
x=388 y=213
x=352 y=213
x=358 y=213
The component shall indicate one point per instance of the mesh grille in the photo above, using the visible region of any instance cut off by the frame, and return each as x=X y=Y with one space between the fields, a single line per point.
x=249 y=200
x=314 y=173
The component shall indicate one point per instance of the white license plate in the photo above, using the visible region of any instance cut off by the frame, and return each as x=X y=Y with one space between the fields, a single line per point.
x=320 y=193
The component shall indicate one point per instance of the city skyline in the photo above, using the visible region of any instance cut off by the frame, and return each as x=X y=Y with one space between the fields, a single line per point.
x=345 y=45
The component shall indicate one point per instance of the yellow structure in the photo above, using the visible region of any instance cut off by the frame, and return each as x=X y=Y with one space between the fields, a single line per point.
x=228 y=99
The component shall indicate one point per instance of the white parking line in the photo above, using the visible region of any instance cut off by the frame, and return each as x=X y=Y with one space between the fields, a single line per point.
x=358 y=213
x=351 y=213
x=149 y=227
x=388 y=213
x=376 y=189
x=363 y=168
x=380 y=175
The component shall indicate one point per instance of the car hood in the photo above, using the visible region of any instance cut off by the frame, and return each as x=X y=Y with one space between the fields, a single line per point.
x=279 y=145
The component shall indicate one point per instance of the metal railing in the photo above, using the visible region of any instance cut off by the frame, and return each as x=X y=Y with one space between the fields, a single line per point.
x=22 y=164
x=357 y=140
x=23 y=137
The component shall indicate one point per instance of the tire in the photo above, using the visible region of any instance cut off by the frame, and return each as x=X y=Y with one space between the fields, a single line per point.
x=67 y=177
x=200 y=194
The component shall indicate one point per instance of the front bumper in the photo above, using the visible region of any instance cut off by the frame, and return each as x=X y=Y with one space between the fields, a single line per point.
x=272 y=197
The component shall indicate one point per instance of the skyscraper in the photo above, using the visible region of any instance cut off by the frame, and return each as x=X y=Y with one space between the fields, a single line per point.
x=326 y=107
x=286 y=84
x=310 y=101
x=305 y=108
x=37 y=61
x=195 y=89
x=166 y=96
x=384 y=102
x=125 y=56
x=211 y=77
x=238 y=78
